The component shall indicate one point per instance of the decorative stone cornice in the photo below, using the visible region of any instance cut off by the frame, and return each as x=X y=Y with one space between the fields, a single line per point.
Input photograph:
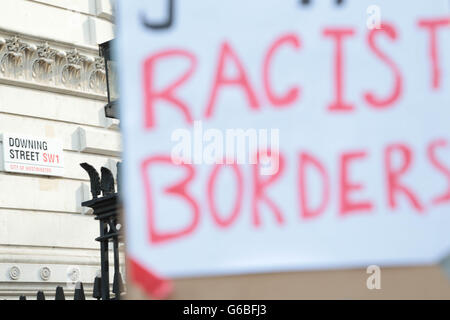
x=43 y=65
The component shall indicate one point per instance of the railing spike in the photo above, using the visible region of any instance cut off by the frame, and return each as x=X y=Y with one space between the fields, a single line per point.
x=94 y=178
x=97 y=292
x=118 y=283
x=60 y=293
x=107 y=181
x=79 y=292
x=40 y=295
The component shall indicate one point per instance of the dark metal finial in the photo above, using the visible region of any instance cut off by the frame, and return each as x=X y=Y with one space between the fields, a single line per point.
x=97 y=292
x=94 y=177
x=79 y=292
x=40 y=295
x=60 y=293
x=107 y=182
x=118 y=283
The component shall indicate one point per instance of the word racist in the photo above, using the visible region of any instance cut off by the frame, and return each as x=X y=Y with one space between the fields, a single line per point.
x=227 y=54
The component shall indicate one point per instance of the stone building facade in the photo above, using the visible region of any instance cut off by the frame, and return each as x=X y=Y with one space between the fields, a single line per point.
x=52 y=84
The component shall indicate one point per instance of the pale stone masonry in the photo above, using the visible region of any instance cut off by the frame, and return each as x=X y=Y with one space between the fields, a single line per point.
x=52 y=84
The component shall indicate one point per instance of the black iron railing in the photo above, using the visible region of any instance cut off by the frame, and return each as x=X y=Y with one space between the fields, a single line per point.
x=59 y=294
x=106 y=206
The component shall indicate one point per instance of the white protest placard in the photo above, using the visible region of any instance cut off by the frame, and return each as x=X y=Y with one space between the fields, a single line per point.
x=266 y=136
x=32 y=155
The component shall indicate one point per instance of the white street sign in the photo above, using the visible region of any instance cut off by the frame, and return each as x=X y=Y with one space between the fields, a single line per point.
x=32 y=155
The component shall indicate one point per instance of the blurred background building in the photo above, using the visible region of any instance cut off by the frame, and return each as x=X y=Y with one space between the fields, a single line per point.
x=52 y=84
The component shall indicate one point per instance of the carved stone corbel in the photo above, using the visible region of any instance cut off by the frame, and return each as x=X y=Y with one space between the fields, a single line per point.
x=43 y=64
x=12 y=62
x=71 y=73
x=97 y=77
